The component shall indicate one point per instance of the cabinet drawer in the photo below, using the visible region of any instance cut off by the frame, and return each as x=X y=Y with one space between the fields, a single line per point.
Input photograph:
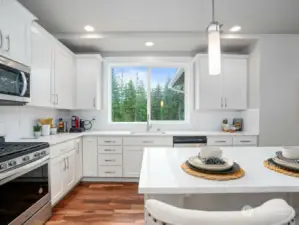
x=245 y=140
x=148 y=141
x=109 y=141
x=110 y=149
x=110 y=159
x=61 y=148
x=110 y=171
x=220 y=141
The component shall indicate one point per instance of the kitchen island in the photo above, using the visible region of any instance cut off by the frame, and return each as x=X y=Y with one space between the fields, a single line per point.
x=162 y=178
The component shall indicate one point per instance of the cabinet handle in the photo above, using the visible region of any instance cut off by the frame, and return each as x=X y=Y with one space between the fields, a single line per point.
x=8 y=43
x=244 y=141
x=109 y=160
x=94 y=102
x=68 y=163
x=109 y=141
x=57 y=99
x=225 y=103
x=64 y=162
x=109 y=150
x=109 y=172
x=1 y=39
x=221 y=102
x=220 y=141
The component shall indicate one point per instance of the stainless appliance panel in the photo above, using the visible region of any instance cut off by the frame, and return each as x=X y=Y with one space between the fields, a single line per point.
x=42 y=216
x=191 y=145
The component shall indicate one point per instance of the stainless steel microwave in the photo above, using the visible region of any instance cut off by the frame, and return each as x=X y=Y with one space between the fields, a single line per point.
x=14 y=83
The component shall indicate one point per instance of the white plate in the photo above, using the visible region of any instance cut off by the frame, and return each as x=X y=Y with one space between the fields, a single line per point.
x=286 y=164
x=196 y=162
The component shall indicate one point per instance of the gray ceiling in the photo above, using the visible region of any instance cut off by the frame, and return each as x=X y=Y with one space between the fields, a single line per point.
x=174 y=25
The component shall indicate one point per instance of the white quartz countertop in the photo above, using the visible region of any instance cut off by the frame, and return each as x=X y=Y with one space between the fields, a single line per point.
x=161 y=173
x=59 y=138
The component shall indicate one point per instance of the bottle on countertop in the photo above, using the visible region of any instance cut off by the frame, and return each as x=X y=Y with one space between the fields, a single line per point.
x=61 y=125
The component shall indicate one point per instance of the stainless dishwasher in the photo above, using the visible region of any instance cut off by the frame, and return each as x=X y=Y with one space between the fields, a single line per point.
x=189 y=141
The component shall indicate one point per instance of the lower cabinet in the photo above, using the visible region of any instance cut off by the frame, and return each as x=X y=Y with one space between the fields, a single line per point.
x=132 y=160
x=78 y=160
x=62 y=175
x=90 y=160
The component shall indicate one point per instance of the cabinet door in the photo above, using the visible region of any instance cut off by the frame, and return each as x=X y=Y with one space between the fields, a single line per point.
x=78 y=164
x=16 y=32
x=90 y=159
x=69 y=178
x=64 y=78
x=57 y=169
x=41 y=68
x=88 y=83
x=210 y=87
x=132 y=160
x=234 y=71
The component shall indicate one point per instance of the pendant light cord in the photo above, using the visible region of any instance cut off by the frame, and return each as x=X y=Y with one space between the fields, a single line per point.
x=213 y=11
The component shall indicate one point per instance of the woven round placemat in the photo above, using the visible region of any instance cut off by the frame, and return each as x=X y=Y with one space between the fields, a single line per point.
x=278 y=169
x=219 y=177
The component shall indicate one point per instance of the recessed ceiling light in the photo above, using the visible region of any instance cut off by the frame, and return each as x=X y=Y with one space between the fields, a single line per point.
x=235 y=29
x=89 y=28
x=149 y=44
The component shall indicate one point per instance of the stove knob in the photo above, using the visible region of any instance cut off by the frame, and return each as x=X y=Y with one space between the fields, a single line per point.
x=12 y=163
x=43 y=153
x=26 y=158
x=36 y=154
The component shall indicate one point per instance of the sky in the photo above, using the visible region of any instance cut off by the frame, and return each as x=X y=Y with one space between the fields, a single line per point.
x=158 y=75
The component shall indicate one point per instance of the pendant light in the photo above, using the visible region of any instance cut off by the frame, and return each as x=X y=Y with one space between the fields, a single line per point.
x=214 y=49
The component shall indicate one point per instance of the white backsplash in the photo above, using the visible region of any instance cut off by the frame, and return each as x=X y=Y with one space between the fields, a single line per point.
x=17 y=121
x=199 y=120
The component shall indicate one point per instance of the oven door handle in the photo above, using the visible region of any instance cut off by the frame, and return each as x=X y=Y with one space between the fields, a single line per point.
x=12 y=174
x=25 y=84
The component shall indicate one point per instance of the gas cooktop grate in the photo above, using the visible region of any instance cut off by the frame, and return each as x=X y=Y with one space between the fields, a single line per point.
x=8 y=148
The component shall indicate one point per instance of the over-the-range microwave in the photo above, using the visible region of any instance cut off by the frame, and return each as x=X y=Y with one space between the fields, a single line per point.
x=14 y=83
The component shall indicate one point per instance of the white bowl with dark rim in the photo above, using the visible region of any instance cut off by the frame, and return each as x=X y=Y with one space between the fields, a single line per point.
x=291 y=152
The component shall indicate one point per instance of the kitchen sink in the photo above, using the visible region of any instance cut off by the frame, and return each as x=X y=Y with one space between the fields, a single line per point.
x=148 y=133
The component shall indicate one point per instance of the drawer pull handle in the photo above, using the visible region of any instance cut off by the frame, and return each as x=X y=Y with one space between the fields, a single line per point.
x=109 y=160
x=109 y=150
x=147 y=142
x=220 y=141
x=244 y=141
x=109 y=141
x=109 y=172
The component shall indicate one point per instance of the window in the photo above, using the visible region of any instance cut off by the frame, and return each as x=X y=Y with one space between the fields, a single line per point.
x=137 y=91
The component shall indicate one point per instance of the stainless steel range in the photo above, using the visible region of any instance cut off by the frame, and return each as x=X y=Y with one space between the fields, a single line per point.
x=24 y=183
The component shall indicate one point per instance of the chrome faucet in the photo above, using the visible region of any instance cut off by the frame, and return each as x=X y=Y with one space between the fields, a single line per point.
x=148 y=124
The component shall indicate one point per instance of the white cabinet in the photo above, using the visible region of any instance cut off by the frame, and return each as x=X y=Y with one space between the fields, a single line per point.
x=78 y=160
x=245 y=141
x=69 y=178
x=41 y=67
x=90 y=160
x=88 y=81
x=132 y=160
x=225 y=91
x=57 y=169
x=64 y=76
x=15 y=31
x=62 y=169
x=238 y=140
x=220 y=141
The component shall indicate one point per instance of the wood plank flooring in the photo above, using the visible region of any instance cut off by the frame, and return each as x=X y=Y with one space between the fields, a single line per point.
x=100 y=204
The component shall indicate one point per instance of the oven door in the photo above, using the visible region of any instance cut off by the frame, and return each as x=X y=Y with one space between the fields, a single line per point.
x=24 y=194
x=14 y=82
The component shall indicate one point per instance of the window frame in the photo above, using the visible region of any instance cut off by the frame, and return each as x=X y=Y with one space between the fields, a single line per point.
x=178 y=62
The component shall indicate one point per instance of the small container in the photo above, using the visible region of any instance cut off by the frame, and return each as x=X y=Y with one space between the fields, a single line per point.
x=53 y=130
x=37 y=134
x=207 y=152
x=46 y=130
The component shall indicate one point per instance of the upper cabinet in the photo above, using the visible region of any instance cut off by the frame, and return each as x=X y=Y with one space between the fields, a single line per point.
x=226 y=91
x=88 y=87
x=41 y=67
x=52 y=71
x=64 y=77
x=15 y=22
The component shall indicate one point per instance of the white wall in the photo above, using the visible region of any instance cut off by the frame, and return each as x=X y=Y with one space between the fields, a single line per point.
x=279 y=90
x=254 y=77
x=17 y=121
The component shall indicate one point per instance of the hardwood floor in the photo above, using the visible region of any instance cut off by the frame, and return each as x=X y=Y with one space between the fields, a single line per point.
x=101 y=204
